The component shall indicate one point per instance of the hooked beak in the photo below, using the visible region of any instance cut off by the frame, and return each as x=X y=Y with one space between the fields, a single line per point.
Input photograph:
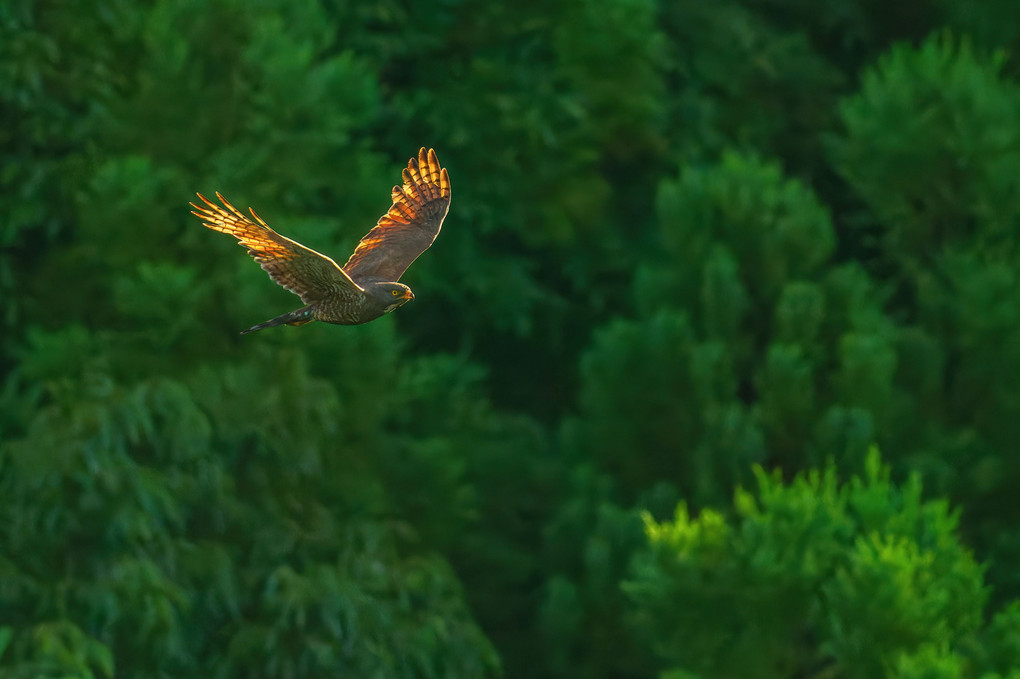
x=408 y=295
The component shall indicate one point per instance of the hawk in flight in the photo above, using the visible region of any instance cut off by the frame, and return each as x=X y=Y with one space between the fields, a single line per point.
x=366 y=286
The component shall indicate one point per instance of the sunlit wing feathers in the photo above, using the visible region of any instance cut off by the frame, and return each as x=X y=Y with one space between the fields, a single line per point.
x=305 y=272
x=410 y=225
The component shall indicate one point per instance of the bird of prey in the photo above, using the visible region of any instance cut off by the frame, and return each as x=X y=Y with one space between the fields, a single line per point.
x=366 y=286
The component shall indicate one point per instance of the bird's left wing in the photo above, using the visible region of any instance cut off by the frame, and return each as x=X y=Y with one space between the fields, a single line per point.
x=305 y=272
x=410 y=225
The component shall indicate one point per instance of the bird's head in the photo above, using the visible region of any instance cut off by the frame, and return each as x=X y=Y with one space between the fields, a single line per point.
x=389 y=295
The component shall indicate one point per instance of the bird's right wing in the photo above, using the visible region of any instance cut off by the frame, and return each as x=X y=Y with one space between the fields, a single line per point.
x=305 y=272
x=410 y=225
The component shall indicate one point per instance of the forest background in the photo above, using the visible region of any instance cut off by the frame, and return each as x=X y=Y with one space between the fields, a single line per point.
x=712 y=371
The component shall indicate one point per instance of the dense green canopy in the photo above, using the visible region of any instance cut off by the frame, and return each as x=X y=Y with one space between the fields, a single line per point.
x=713 y=371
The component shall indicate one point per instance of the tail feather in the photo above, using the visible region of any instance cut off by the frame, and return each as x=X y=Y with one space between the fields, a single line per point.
x=299 y=317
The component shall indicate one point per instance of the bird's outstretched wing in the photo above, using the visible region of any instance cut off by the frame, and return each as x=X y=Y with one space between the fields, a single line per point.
x=305 y=272
x=410 y=225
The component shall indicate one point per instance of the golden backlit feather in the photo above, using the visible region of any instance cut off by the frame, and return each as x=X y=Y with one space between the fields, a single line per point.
x=409 y=227
x=303 y=271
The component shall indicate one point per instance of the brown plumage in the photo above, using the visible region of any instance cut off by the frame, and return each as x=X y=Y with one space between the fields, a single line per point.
x=366 y=287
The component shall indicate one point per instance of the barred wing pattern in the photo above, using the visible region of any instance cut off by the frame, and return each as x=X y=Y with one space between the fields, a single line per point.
x=310 y=275
x=409 y=227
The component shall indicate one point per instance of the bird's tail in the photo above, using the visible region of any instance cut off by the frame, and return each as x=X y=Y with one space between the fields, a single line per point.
x=299 y=317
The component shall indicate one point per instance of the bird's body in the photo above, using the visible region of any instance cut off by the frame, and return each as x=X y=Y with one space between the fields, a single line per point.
x=366 y=287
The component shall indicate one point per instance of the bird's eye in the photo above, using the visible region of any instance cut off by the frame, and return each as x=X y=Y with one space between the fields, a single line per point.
x=395 y=292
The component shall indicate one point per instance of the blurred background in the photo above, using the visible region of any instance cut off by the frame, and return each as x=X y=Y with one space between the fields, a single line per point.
x=712 y=371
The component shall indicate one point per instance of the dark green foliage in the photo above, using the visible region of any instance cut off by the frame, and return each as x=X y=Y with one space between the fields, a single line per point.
x=258 y=546
x=693 y=247
x=945 y=218
x=929 y=196
x=742 y=348
x=726 y=59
